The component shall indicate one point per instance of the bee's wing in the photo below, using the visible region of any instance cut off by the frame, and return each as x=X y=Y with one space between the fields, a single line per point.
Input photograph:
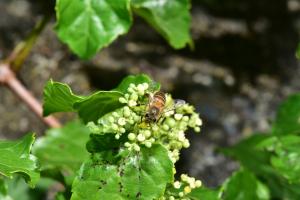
x=179 y=102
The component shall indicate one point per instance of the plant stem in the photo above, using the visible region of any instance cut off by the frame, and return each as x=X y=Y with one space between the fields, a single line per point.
x=8 y=78
x=22 y=49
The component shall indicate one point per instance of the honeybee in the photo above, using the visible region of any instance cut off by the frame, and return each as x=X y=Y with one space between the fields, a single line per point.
x=157 y=106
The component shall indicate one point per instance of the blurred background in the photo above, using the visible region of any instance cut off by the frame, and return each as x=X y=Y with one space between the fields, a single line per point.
x=242 y=67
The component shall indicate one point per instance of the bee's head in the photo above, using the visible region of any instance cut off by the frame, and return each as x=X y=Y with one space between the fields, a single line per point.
x=151 y=115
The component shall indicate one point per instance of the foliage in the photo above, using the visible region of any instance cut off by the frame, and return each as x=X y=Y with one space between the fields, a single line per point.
x=120 y=154
x=275 y=157
x=89 y=25
x=129 y=157
x=15 y=158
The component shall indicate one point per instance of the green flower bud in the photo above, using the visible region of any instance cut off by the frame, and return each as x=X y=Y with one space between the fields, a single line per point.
x=185 y=118
x=122 y=100
x=186 y=143
x=122 y=130
x=134 y=97
x=131 y=85
x=131 y=136
x=126 y=112
x=111 y=119
x=136 y=147
x=148 y=144
x=147 y=133
x=180 y=194
x=127 y=144
x=171 y=122
x=197 y=129
x=114 y=127
x=166 y=127
x=117 y=136
x=130 y=90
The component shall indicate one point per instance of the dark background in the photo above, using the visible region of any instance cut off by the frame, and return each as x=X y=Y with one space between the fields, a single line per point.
x=242 y=67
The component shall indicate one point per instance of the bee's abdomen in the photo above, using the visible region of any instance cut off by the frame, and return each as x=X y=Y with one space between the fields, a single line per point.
x=160 y=96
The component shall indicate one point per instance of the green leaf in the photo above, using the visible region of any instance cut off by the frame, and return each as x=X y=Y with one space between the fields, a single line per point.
x=99 y=143
x=89 y=25
x=171 y=18
x=15 y=157
x=63 y=148
x=97 y=105
x=58 y=97
x=251 y=148
x=3 y=191
x=204 y=193
x=136 y=79
x=18 y=189
x=288 y=117
x=141 y=175
x=243 y=185
x=287 y=158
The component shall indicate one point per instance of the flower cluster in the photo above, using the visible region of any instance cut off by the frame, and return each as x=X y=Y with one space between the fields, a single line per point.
x=130 y=120
x=181 y=189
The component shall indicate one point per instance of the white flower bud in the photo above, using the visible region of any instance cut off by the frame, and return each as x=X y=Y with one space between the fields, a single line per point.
x=132 y=103
x=169 y=113
x=121 y=121
x=146 y=86
x=117 y=136
x=155 y=128
x=178 y=116
x=197 y=129
x=141 y=137
x=198 y=183
x=181 y=136
x=198 y=122
x=171 y=198
x=140 y=87
x=177 y=184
